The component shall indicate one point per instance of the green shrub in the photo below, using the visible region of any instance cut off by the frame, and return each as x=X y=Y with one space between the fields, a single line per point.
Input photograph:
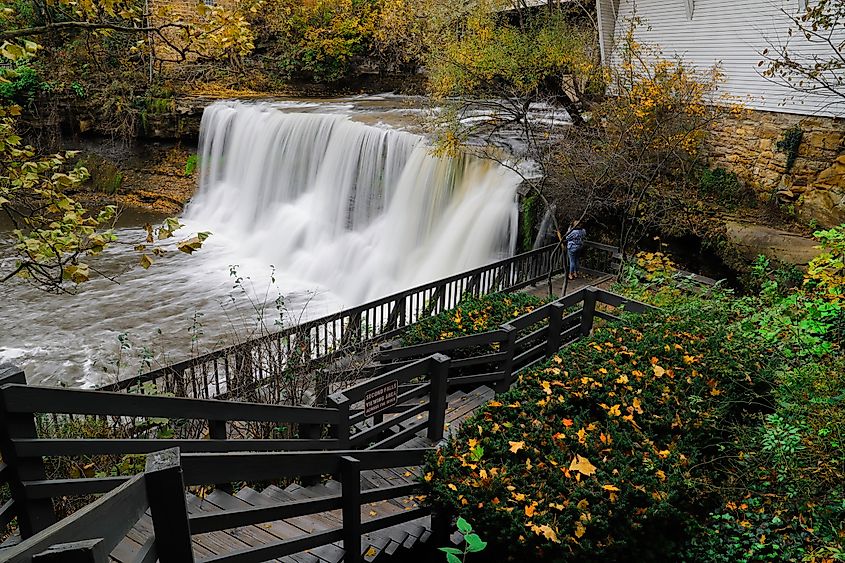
x=474 y=315
x=24 y=85
x=191 y=165
x=725 y=187
x=790 y=143
x=605 y=452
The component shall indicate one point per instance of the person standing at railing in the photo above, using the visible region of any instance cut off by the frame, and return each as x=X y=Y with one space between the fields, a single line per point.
x=575 y=246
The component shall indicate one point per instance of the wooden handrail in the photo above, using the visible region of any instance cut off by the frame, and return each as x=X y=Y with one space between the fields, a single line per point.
x=230 y=371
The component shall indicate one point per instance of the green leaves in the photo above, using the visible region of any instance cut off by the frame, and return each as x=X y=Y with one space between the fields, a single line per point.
x=472 y=543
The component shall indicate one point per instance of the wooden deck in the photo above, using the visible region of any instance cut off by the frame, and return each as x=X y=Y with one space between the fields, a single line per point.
x=376 y=546
x=588 y=278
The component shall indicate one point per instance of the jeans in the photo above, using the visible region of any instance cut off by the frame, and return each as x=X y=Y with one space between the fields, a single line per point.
x=574 y=255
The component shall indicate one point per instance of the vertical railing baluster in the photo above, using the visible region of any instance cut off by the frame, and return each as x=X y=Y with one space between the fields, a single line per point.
x=438 y=387
x=553 y=338
x=350 y=479
x=509 y=345
x=168 y=508
x=34 y=515
x=588 y=311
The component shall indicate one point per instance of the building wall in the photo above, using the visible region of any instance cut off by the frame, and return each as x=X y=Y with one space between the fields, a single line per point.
x=731 y=33
x=815 y=185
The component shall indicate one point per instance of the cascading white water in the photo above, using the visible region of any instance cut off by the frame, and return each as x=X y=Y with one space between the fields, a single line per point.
x=361 y=211
x=344 y=211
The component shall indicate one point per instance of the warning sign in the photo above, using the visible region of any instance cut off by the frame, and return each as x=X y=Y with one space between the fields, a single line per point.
x=381 y=398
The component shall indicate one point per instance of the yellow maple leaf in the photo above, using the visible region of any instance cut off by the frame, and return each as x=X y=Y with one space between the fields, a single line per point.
x=428 y=477
x=529 y=510
x=658 y=371
x=518 y=497
x=638 y=405
x=546 y=531
x=580 y=530
x=614 y=411
x=453 y=487
x=611 y=488
x=516 y=446
x=582 y=465
x=494 y=404
x=472 y=442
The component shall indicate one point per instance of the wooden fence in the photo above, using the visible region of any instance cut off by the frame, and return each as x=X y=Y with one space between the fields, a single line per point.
x=89 y=535
x=23 y=408
x=362 y=422
x=236 y=371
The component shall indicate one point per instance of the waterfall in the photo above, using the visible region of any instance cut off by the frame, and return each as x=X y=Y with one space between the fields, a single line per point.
x=357 y=210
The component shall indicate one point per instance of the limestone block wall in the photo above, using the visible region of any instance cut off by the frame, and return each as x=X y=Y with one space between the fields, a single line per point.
x=747 y=145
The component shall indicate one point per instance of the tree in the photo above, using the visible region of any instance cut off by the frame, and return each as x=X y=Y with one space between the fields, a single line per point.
x=812 y=57
x=54 y=234
x=636 y=160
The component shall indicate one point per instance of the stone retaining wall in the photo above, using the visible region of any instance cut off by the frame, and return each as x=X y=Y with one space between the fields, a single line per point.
x=815 y=186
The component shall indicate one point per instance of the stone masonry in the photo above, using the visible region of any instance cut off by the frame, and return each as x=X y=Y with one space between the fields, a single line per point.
x=747 y=145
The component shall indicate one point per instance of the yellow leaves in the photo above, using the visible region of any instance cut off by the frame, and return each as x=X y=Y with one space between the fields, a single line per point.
x=494 y=404
x=516 y=446
x=428 y=476
x=614 y=411
x=661 y=474
x=582 y=465
x=637 y=405
x=519 y=497
x=452 y=487
x=530 y=509
x=567 y=422
x=658 y=371
x=582 y=436
x=472 y=442
x=580 y=529
x=611 y=488
x=545 y=531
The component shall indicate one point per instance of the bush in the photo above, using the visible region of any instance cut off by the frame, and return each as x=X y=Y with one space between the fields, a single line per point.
x=601 y=453
x=474 y=315
x=725 y=187
x=24 y=85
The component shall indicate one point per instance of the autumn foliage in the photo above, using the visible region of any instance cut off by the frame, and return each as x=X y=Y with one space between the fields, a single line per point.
x=607 y=444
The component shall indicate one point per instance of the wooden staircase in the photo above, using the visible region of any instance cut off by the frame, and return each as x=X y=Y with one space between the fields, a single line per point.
x=376 y=546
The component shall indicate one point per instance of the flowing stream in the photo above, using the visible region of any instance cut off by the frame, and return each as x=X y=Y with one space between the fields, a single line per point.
x=318 y=206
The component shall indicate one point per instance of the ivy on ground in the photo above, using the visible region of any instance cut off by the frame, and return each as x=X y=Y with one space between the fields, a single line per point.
x=602 y=452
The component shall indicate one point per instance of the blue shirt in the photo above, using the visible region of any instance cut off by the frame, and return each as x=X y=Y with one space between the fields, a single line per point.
x=575 y=239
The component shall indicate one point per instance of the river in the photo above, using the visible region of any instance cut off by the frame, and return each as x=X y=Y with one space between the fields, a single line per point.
x=313 y=206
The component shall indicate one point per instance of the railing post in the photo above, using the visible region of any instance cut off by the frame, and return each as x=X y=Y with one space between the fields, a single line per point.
x=166 y=495
x=553 y=340
x=437 y=402
x=341 y=434
x=588 y=313
x=85 y=551
x=34 y=515
x=321 y=387
x=350 y=479
x=509 y=345
x=217 y=431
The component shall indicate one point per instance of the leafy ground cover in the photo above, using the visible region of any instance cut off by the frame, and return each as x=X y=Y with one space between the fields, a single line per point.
x=474 y=315
x=711 y=431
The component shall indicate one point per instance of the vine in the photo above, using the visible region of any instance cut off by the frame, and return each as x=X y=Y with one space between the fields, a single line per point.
x=789 y=144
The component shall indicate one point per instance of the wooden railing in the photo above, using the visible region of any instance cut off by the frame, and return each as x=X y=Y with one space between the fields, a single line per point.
x=364 y=420
x=236 y=371
x=23 y=408
x=91 y=534
x=417 y=378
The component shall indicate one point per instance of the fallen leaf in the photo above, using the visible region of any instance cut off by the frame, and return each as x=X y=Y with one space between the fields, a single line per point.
x=582 y=465
x=516 y=446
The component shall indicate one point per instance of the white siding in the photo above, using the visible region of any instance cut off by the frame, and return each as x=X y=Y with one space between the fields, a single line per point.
x=732 y=33
x=606 y=11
